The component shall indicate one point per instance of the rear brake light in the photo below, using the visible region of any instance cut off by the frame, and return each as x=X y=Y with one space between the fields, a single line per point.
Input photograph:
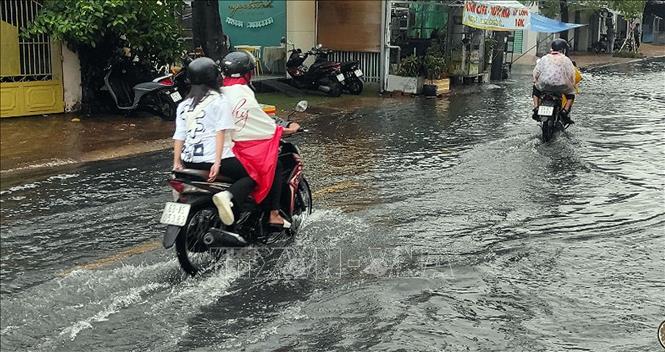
x=166 y=82
x=178 y=186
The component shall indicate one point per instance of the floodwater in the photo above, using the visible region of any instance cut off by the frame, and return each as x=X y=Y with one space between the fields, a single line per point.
x=439 y=225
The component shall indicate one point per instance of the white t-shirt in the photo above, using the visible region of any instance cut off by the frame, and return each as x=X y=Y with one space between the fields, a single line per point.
x=212 y=114
x=251 y=122
x=555 y=72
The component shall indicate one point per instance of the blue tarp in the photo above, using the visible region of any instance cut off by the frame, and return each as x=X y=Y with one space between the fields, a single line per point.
x=547 y=25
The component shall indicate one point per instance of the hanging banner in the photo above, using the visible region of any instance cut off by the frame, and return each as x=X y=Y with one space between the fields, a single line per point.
x=495 y=15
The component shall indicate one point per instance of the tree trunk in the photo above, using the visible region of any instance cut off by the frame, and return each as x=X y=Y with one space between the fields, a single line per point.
x=207 y=28
x=563 y=8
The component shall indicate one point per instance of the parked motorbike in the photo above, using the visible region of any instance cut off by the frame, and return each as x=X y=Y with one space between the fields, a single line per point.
x=548 y=111
x=193 y=224
x=352 y=82
x=601 y=46
x=158 y=96
x=322 y=75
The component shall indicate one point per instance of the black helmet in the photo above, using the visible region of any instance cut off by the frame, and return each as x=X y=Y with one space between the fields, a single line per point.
x=202 y=71
x=560 y=45
x=238 y=63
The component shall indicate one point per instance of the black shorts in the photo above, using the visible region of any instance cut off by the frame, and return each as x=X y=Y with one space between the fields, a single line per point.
x=537 y=93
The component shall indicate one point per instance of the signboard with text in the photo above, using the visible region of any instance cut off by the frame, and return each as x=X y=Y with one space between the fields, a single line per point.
x=253 y=22
x=495 y=15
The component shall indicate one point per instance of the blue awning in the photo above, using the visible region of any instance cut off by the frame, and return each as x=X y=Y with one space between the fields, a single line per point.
x=540 y=23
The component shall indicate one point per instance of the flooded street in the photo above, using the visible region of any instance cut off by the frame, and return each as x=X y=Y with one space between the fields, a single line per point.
x=438 y=225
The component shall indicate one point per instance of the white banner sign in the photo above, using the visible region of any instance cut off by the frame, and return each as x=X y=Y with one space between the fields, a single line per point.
x=495 y=15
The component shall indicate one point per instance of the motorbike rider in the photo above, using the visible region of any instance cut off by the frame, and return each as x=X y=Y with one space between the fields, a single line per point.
x=202 y=138
x=555 y=73
x=257 y=135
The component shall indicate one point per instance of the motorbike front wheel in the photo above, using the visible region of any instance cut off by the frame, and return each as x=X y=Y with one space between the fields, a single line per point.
x=193 y=255
x=303 y=205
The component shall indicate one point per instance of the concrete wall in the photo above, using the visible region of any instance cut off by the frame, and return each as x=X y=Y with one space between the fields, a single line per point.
x=301 y=23
x=71 y=79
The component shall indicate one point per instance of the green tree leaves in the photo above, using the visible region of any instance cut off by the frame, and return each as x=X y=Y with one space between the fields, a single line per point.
x=149 y=27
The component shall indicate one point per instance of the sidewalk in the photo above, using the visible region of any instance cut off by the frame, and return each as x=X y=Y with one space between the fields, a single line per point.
x=586 y=60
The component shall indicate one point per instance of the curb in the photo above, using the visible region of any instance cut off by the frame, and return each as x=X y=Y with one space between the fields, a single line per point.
x=597 y=67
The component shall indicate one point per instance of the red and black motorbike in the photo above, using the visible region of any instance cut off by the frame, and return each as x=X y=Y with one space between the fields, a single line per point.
x=193 y=224
x=322 y=75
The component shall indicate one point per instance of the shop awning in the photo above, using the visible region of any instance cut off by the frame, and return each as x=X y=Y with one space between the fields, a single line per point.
x=541 y=23
x=496 y=15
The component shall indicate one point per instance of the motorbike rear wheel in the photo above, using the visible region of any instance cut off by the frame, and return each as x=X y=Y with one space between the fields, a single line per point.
x=193 y=255
x=355 y=86
x=335 y=87
x=167 y=107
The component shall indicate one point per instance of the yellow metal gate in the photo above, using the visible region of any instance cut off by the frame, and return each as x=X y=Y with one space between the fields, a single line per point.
x=31 y=68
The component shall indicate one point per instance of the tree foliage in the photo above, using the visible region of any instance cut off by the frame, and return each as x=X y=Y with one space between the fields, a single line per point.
x=149 y=27
x=628 y=8
x=99 y=30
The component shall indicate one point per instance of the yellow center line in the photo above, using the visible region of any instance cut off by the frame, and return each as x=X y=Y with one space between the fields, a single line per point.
x=138 y=249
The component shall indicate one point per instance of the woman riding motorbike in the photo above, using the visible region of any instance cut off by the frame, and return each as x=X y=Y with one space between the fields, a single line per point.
x=202 y=139
x=257 y=135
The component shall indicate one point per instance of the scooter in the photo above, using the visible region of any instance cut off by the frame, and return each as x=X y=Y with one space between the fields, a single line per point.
x=322 y=75
x=193 y=224
x=160 y=96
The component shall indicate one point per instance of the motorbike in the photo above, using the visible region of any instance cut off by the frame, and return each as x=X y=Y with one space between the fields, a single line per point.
x=158 y=96
x=548 y=111
x=601 y=46
x=193 y=224
x=322 y=75
x=353 y=82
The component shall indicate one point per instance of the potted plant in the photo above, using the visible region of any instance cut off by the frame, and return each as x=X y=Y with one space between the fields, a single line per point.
x=407 y=77
x=436 y=68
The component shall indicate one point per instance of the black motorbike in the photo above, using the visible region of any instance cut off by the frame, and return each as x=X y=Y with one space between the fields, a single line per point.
x=353 y=82
x=322 y=75
x=549 y=113
x=193 y=224
x=159 y=96
x=601 y=46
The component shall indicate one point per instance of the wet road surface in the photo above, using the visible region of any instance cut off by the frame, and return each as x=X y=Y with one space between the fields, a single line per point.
x=439 y=225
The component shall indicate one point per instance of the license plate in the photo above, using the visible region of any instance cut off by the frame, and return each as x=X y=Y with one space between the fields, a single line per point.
x=546 y=110
x=340 y=77
x=359 y=73
x=175 y=214
x=176 y=97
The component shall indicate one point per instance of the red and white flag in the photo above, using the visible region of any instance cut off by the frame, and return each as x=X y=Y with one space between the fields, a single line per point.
x=256 y=138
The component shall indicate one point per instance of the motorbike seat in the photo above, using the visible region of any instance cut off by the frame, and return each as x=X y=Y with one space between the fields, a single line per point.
x=346 y=66
x=200 y=175
x=148 y=86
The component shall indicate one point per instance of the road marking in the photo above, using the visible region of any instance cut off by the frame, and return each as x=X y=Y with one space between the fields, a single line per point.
x=99 y=263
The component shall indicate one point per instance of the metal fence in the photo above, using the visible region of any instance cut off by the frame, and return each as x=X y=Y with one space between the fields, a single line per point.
x=370 y=63
x=35 y=51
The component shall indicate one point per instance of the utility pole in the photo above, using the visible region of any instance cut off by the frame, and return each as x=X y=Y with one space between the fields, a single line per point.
x=563 y=7
x=207 y=28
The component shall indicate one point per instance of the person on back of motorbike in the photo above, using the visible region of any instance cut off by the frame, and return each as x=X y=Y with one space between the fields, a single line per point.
x=257 y=136
x=202 y=138
x=555 y=73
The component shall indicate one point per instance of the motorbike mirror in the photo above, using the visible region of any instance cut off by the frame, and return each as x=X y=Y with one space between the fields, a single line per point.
x=319 y=46
x=302 y=106
x=283 y=40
